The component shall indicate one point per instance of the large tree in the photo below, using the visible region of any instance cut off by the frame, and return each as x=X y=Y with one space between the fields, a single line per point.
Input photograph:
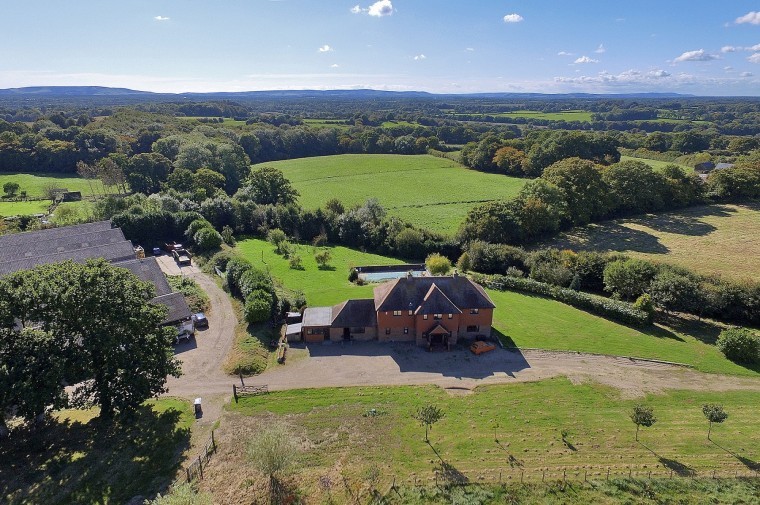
x=581 y=181
x=268 y=185
x=107 y=333
x=635 y=187
x=145 y=172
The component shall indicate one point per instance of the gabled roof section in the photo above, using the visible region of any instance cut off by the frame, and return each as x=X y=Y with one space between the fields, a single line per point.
x=178 y=308
x=439 y=329
x=435 y=302
x=113 y=253
x=317 y=316
x=147 y=269
x=42 y=245
x=354 y=313
x=408 y=293
x=52 y=233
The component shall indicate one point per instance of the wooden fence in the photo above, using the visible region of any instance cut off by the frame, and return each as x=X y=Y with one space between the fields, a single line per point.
x=194 y=470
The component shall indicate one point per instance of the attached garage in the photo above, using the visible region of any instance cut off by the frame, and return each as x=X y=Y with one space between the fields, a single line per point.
x=316 y=324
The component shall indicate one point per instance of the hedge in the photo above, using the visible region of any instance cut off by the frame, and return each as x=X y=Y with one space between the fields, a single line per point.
x=605 y=307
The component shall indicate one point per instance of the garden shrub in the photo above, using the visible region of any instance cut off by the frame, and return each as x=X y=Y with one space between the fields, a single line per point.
x=740 y=345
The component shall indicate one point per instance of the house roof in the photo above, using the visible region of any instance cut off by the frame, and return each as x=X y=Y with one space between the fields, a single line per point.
x=408 y=293
x=52 y=233
x=147 y=269
x=354 y=313
x=178 y=308
x=721 y=166
x=317 y=316
x=43 y=245
x=435 y=302
x=113 y=253
x=293 y=329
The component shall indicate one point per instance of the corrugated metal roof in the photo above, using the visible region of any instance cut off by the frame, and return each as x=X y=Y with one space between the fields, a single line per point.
x=317 y=316
x=43 y=245
x=53 y=233
x=178 y=308
x=147 y=269
x=113 y=253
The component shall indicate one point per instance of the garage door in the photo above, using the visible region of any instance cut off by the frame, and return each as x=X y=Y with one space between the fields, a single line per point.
x=314 y=338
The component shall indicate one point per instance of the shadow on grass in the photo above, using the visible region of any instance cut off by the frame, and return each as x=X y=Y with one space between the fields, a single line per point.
x=675 y=466
x=749 y=463
x=450 y=475
x=93 y=462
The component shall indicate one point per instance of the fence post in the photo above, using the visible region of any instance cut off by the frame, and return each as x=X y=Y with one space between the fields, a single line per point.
x=241 y=380
x=713 y=474
x=499 y=475
x=543 y=475
x=585 y=475
x=671 y=474
x=188 y=475
x=213 y=442
x=564 y=475
x=650 y=474
x=234 y=392
x=629 y=473
x=522 y=475
x=394 y=482
x=200 y=467
x=608 y=474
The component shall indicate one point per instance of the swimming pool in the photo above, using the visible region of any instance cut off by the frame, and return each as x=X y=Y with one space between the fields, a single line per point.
x=389 y=276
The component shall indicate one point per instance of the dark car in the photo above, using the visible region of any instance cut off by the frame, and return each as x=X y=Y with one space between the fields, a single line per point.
x=157 y=251
x=200 y=320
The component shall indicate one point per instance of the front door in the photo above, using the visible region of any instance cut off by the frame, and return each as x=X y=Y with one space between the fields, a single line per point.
x=346 y=333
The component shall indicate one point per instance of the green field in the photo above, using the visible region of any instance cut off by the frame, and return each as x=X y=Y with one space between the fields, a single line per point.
x=512 y=429
x=523 y=320
x=429 y=192
x=78 y=459
x=35 y=184
x=657 y=164
x=9 y=209
x=326 y=123
x=566 y=115
x=711 y=239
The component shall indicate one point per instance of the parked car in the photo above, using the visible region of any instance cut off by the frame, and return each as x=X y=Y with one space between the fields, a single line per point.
x=479 y=347
x=181 y=257
x=199 y=320
x=157 y=251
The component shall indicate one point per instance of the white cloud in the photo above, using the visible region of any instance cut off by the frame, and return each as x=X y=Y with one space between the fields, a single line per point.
x=600 y=49
x=751 y=17
x=564 y=53
x=325 y=49
x=755 y=58
x=381 y=8
x=161 y=18
x=698 y=55
x=334 y=65
x=356 y=9
x=470 y=49
x=754 y=48
x=585 y=59
x=746 y=74
x=728 y=68
x=728 y=49
x=420 y=57
x=513 y=18
x=658 y=73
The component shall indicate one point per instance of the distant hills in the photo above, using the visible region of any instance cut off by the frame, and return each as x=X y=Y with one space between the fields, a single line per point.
x=100 y=91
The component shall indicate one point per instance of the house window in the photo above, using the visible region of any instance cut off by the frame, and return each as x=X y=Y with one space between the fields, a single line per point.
x=387 y=331
x=424 y=317
x=310 y=332
x=473 y=329
x=406 y=331
x=396 y=312
x=474 y=311
x=437 y=317
x=410 y=312
x=451 y=316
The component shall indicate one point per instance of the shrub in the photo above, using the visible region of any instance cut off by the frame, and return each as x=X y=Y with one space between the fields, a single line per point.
x=613 y=309
x=195 y=227
x=644 y=303
x=628 y=278
x=219 y=260
x=353 y=275
x=323 y=257
x=437 y=264
x=207 y=239
x=463 y=263
x=276 y=237
x=252 y=280
x=740 y=345
x=295 y=262
x=258 y=307
x=236 y=268
x=320 y=240
x=409 y=243
x=494 y=258
x=228 y=236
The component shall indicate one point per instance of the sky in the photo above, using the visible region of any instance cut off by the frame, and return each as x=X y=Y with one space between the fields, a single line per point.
x=701 y=47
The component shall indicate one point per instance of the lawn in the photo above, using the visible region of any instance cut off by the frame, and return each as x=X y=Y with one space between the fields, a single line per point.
x=35 y=184
x=8 y=209
x=657 y=164
x=76 y=459
x=427 y=191
x=710 y=239
x=503 y=428
x=527 y=321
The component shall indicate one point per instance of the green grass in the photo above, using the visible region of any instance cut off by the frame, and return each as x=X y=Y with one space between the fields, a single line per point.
x=657 y=164
x=511 y=428
x=529 y=321
x=77 y=459
x=8 y=209
x=326 y=123
x=427 y=191
x=709 y=239
x=35 y=184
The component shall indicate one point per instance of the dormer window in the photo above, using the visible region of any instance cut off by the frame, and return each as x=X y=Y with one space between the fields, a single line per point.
x=437 y=317
x=474 y=311
x=411 y=312
x=396 y=312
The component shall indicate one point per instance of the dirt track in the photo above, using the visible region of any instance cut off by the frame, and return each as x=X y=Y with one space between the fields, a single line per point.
x=372 y=363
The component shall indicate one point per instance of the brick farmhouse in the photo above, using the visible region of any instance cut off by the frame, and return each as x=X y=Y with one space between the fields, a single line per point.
x=429 y=311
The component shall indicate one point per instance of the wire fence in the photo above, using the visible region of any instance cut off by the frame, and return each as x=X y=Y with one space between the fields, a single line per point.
x=194 y=471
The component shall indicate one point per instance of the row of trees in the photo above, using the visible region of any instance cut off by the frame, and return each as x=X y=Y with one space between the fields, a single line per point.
x=65 y=324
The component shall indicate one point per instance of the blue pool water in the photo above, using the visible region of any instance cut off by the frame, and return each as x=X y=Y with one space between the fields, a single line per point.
x=387 y=276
